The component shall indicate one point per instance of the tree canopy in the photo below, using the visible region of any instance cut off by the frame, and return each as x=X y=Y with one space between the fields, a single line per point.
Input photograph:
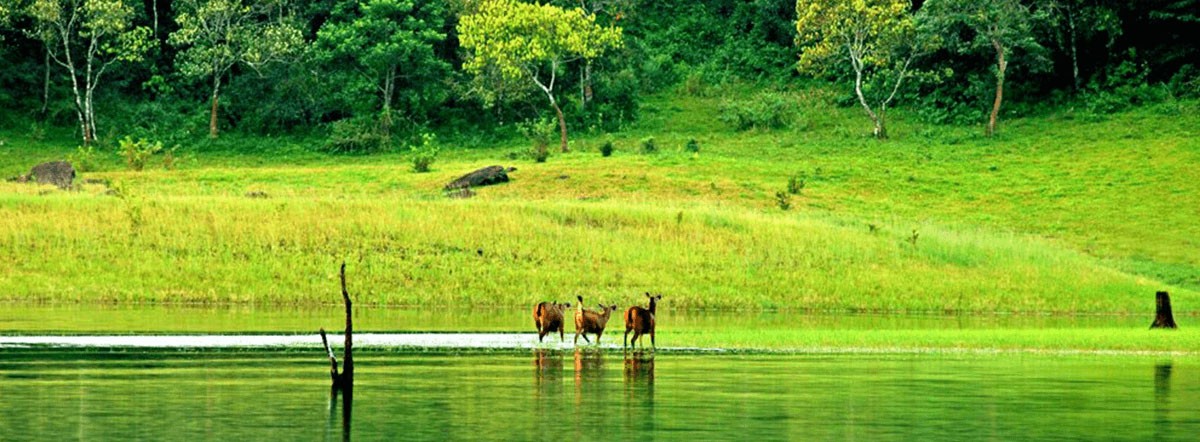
x=531 y=43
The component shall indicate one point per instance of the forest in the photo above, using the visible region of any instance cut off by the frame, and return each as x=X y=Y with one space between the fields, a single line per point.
x=361 y=76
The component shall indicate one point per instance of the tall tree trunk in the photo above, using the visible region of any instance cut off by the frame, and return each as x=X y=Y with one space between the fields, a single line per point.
x=46 y=85
x=155 y=6
x=562 y=125
x=389 y=90
x=212 y=121
x=879 y=130
x=1074 y=55
x=1001 y=66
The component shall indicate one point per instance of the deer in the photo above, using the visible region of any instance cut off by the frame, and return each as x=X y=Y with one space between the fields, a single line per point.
x=548 y=317
x=641 y=320
x=588 y=321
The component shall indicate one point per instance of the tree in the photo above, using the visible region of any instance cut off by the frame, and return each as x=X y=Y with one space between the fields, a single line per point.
x=876 y=38
x=218 y=34
x=528 y=42
x=1074 y=20
x=998 y=26
x=87 y=37
x=386 y=42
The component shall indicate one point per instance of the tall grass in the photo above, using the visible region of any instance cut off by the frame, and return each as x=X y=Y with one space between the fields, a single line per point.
x=413 y=251
x=1052 y=215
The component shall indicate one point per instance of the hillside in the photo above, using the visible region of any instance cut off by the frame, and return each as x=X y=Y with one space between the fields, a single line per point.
x=1058 y=214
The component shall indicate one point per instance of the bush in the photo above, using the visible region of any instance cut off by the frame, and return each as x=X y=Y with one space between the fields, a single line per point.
x=169 y=158
x=1124 y=85
x=692 y=146
x=795 y=184
x=606 y=149
x=137 y=152
x=1186 y=82
x=648 y=146
x=767 y=110
x=783 y=200
x=425 y=154
x=84 y=159
x=540 y=133
x=356 y=136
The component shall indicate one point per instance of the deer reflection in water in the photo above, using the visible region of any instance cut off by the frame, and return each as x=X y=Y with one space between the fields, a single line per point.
x=639 y=389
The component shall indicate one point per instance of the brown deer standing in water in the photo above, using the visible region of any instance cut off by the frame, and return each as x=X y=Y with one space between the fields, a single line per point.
x=548 y=317
x=587 y=321
x=641 y=320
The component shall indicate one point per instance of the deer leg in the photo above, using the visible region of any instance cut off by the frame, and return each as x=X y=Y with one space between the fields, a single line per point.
x=598 y=337
x=625 y=342
x=585 y=338
x=652 y=346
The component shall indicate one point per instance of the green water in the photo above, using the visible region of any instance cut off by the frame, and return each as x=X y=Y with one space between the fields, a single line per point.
x=98 y=394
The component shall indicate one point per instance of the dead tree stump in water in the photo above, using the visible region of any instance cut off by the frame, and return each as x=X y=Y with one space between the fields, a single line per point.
x=345 y=380
x=1162 y=314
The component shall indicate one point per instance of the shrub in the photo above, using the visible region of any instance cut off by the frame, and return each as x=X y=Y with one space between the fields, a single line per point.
x=1123 y=85
x=692 y=146
x=783 y=200
x=540 y=133
x=425 y=154
x=169 y=158
x=648 y=146
x=767 y=110
x=137 y=152
x=355 y=136
x=84 y=159
x=606 y=149
x=1186 y=82
x=795 y=184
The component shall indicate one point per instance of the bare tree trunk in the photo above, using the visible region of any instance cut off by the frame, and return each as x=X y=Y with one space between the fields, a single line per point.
x=345 y=380
x=1074 y=56
x=155 y=6
x=212 y=121
x=79 y=109
x=1001 y=66
x=46 y=86
x=879 y=130
x=389 y=89
x=562 y=125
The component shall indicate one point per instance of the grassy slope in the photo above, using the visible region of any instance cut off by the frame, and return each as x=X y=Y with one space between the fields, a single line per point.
x=1054 y=215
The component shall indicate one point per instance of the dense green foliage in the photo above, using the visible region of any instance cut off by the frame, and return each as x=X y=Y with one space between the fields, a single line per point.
x=329 y=68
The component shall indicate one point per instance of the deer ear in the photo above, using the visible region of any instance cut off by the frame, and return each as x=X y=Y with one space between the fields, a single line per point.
x=648 y=295
x=580 y=298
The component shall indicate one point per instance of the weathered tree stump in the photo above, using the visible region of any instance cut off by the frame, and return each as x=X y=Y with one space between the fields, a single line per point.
x=1162 y=315
x=345 y=380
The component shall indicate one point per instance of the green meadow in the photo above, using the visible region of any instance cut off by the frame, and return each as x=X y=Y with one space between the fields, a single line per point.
x=1058 y=214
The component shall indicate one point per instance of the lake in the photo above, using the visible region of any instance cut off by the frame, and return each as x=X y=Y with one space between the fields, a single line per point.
x=165 y=394
x=244 y=373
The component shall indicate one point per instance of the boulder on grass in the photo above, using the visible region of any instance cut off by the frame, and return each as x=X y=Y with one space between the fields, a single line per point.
x=482 y=177
x=58 y=173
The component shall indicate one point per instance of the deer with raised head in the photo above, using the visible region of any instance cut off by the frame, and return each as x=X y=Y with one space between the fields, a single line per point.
x=641 y=320
x=589 y=321
x=548 y=317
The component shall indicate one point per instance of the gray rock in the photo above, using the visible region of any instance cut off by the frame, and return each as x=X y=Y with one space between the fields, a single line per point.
x=58 y=173
x=482 y=177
